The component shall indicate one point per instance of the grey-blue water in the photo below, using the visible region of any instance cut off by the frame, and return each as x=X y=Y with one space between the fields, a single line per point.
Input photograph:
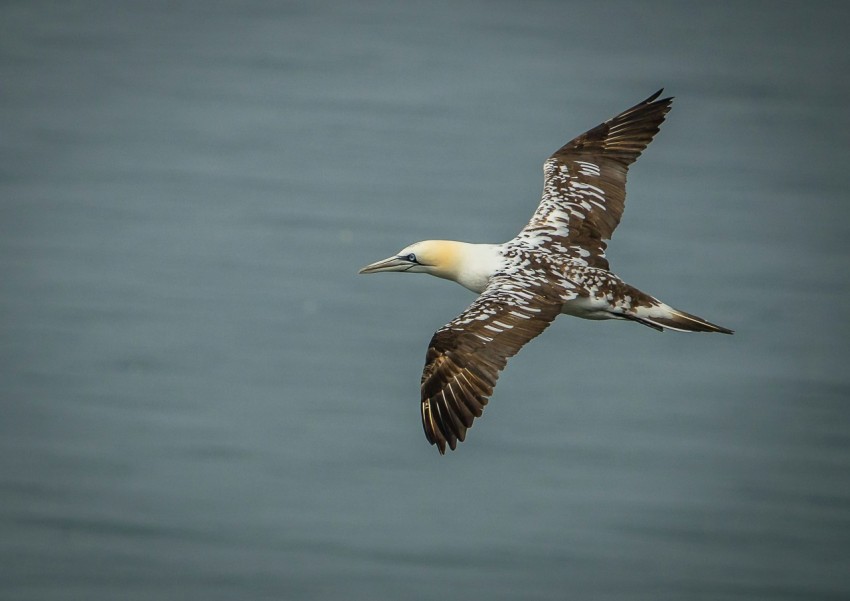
x=202 y=400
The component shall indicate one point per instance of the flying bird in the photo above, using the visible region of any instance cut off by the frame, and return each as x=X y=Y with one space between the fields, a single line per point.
x=555 y=265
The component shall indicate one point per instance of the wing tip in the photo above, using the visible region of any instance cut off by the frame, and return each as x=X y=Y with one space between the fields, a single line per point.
x=433 y=431
x=625 y=135
x=654 y=98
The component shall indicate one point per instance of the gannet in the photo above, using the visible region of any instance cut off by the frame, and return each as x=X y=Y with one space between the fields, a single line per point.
x=555 y=265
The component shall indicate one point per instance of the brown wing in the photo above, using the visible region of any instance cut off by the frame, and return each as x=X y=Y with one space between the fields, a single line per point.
x=466 y=355
x=584 y=189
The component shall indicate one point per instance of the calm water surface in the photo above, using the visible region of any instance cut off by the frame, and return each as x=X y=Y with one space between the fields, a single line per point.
x=202 y=400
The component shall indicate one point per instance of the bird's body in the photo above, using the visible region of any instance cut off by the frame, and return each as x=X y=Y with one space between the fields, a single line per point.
x=555 y=265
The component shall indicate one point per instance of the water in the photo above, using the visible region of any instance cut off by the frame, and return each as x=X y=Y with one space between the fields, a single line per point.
x=202 y=400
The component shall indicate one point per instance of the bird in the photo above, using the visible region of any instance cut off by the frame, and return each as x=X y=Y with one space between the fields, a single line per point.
x=555 y=265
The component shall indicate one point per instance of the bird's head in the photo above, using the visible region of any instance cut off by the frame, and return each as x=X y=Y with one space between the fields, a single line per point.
x=437 y=257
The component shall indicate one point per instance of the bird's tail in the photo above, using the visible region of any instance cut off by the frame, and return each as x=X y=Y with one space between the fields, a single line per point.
x=660 y=316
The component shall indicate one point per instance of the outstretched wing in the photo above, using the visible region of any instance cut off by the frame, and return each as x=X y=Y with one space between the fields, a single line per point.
x=584 y=190
x=466 y=355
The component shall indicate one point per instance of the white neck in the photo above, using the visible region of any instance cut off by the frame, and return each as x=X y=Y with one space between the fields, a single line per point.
x=470 y=265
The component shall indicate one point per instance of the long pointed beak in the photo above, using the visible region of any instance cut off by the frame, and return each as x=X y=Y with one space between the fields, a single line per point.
x=389 y=264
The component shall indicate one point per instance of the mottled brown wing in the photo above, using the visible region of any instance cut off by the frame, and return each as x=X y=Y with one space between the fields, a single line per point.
x=466 y=355
x=584 y=189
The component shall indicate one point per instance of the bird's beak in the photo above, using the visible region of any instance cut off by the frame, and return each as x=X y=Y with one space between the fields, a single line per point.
x=390 y=264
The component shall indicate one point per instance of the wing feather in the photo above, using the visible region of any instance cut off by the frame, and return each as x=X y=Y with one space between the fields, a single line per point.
x=466 y=355
x=584 y=191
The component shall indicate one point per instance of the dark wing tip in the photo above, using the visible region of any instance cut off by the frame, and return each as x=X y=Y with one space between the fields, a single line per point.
x=623 y=137
x=649 y=100
x=432 y=431
x=452 y=397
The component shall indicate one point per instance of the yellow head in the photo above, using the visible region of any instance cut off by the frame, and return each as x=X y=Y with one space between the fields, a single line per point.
x=437 y=257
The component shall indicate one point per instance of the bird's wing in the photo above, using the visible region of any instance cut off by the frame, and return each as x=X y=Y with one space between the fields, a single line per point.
x=584 y=189
x=466 y=355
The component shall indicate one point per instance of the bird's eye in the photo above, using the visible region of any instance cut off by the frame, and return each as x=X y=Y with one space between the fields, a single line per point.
x=411 y=257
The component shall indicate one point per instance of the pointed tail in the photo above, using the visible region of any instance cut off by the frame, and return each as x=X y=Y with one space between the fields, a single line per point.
x=662 y=316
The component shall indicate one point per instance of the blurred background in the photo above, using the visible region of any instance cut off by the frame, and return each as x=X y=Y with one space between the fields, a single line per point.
x=201 y=399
